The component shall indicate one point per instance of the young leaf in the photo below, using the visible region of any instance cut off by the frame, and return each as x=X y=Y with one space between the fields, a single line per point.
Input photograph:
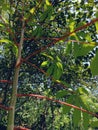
x=32 y=10
x=1 y=25
x=48 y=3
x=5 y=41
x=71 y=25
x=58 y=70
x=48 y=56
x=59 y=65
x=96 y=23
x=45 y=64
x=88 y=37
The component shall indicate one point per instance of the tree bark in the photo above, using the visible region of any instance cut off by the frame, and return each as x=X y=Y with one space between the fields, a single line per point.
x=11 y=113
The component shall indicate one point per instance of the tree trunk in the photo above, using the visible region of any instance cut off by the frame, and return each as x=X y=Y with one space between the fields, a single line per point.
x=11 y=113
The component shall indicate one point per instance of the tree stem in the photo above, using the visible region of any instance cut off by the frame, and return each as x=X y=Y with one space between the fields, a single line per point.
x=11 y=113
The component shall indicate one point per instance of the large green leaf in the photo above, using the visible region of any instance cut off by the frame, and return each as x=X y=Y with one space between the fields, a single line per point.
x=66 y=109
x=86 y=102
x=82 y=49
x=79 y=49
x=86 y=119
x=76 y=117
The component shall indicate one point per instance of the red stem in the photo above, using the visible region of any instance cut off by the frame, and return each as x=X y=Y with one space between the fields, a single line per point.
x=5 y=108
x=57 y=101
x=5 y=81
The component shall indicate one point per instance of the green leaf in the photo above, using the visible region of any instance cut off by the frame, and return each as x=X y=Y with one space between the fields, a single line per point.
x=64 y=83
x=86 y=118
x=8 y=44
x=94 y=122
x=48 y=3
x=88 y=37
x=96 y=106
x=15 y=50
x=69 y=48
x=79 y=49
x=66 y=109
x=96 y=23
x=76 y=117
x=61 y=93
x=83 y=91
x=81 y=36
x=58 y=70
x=48 y=56
x=82 y=49
x=32 y=10
x=59 y=65
x=1 y=25
x=45 y=63
x=87 y=103
x=5 y=41
x=58 y=59
x=94 y=65
x=71 y=25
x=81 y=24
x=50 y=70
x=38 y=32
x=47 y=14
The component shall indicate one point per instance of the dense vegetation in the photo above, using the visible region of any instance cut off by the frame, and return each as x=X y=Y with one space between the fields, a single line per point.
x=49 y=48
